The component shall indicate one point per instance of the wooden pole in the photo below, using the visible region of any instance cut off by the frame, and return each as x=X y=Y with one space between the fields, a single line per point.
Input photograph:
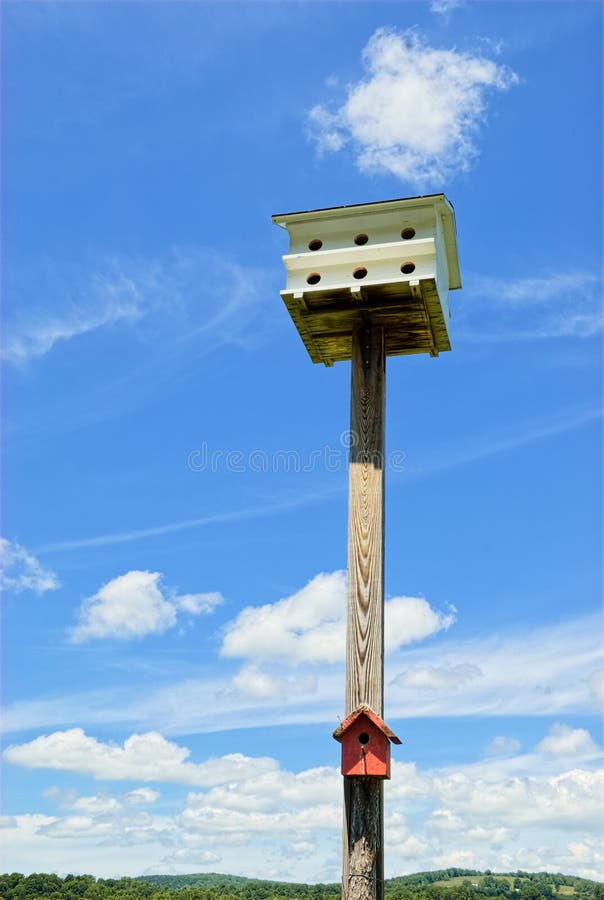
x=363 y=862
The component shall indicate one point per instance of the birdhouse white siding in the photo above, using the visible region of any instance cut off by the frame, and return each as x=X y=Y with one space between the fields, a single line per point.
x=394 y=261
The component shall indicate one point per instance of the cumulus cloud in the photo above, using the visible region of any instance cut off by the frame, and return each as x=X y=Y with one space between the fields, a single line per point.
x=20 y=571
x=309 y=626
x=416 y=113
x=142 y=796
x=565 y=741
x=97 y=805
x=512 y=814
x=571 y=799
x=304 y=626
x=134 y=605
x=143 y=757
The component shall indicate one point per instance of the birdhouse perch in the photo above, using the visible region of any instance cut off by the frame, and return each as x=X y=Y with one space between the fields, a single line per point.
x=365 y=740
x=390 y=264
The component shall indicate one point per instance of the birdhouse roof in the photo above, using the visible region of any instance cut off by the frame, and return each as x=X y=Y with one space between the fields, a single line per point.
x=373 y=717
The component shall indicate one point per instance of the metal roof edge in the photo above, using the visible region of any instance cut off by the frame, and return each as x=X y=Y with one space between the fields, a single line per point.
x=328 y=211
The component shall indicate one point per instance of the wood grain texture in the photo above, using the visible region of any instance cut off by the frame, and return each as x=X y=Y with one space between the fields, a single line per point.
x=363 y=845
x=363 y=874
x=365 y=619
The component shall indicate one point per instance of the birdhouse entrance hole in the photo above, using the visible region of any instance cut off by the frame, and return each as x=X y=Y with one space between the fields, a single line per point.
x=363 y=738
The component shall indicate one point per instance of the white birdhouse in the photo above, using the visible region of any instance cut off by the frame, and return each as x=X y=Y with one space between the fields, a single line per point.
x=391 y=264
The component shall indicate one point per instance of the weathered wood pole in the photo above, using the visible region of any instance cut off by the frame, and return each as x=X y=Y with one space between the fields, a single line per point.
x=363 y=862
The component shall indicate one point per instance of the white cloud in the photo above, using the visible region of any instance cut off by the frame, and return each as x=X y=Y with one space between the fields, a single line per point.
x=187 y=857
x=306 y=626
x=568 y=800
x=412 y=848
x=142 y=795
x=237 y=515
x=109 y=301
x=143 y=757
x=416 y=113
x=262 y=685
x=530 y=307
x=134 y=605
x=595 y=681
x=444 y=7
x=124 y=829
x=552 y=675
x=58 y=302
x=309 y=626
x=565 y=741
x=438 y=678
x=502 y=746
x=512 y=814
x=20 y=571
x=410 y=619
x=97 y=805
x=481 y=446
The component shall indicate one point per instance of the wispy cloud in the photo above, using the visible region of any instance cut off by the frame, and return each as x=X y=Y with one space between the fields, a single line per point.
x=556 y=672
x=533 y=307
x=477 y=447
x=483 y=446
x=20 y=571
x=236 y=515
x=443 y=92
x=104 y=299
x=174 y=298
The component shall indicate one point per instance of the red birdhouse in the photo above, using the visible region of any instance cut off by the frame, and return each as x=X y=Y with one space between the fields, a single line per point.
x=365 y=740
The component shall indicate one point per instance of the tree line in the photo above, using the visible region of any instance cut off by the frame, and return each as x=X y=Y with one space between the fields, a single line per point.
x=445 y=884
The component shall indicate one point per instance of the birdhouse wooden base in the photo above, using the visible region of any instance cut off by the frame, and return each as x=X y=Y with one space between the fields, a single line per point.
x=365 y=740
x=410 y=312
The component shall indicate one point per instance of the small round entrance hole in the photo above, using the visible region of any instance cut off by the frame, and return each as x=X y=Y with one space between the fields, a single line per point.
x=407 y=268
x=363 y=738
x=315 y=244
x=408 y=233
x=361 y=239
x=313 y=278
x=361 y=272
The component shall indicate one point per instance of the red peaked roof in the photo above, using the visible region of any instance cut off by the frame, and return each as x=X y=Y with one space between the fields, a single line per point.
x=365 y=710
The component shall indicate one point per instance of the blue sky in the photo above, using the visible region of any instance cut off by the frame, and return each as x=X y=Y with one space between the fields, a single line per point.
x=173 y=622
